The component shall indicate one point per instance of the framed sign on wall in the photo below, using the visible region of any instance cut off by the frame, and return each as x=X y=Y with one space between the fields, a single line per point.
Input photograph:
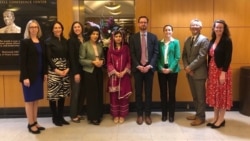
x=14 y=15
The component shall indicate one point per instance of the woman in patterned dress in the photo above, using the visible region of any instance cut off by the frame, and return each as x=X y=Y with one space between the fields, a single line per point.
x=219 y=84
x=58 y=77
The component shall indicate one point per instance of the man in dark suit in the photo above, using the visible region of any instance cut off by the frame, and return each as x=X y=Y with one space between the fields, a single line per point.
x=195 y=65
x=144 y=52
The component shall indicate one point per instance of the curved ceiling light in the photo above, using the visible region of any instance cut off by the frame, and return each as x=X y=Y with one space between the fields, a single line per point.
x=115 y=12
x=112 y=6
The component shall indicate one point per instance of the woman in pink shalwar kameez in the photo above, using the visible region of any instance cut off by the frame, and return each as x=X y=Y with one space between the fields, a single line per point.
x=119 y=81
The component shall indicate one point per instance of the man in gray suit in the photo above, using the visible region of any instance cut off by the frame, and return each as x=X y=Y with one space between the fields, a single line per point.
x=195 y=65
x=144 y=52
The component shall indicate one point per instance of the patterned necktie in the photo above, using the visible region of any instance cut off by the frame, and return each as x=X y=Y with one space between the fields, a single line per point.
x=143 y=49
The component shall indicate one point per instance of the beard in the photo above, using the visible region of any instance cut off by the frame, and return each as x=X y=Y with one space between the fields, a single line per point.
x=143 y=28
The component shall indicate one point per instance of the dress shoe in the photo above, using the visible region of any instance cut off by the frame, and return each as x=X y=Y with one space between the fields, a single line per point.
x=171 y=119
x=139 y=120
x=148 y=120
x=193 y=117
x=164 y=118
x=197 y=122
x=39 y=127
x=33 y=131
x=219 y=126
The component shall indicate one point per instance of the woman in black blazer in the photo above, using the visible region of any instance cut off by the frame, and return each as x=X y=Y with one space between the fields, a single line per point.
x=219 y=84
x=32 y=72
x=58 y=68
x=76 y=39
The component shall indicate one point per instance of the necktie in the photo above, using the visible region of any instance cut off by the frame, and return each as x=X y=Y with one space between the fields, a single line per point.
x=192 y=41
x=143 y=49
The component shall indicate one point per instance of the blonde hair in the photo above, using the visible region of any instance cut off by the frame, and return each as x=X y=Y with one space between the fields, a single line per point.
x=27 y=33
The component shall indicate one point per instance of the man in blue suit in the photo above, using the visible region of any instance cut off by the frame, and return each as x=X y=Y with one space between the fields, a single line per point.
x=144 y=52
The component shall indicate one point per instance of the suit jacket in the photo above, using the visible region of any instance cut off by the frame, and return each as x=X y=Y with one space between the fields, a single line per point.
x=222 y=53
x=29 y=60
x=195 y=56
x=173 y=55
x=135 y=50
x=56 y=48
x=87 y=55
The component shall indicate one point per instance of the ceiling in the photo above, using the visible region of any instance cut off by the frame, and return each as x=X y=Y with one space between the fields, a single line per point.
x=96 y=9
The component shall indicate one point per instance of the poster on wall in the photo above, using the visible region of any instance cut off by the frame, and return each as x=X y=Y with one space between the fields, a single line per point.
x=14 y=15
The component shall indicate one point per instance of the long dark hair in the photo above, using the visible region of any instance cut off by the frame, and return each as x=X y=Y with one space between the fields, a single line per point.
x=72 y=34
x=225 y=33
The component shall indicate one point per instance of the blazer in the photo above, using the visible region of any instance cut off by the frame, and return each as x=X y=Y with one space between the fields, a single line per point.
x=74 y=46
x=222 y=53
x=87 y=55
x=29 y=60
x=195 y=56
x=135 y=50
x=56 y=49
x=173 y=55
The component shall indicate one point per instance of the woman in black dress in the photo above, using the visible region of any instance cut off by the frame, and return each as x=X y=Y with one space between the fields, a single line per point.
x=32 y=72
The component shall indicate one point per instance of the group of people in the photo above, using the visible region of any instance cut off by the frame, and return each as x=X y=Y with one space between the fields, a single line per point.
x=73 y=68
x=206 y=63
x=207 y=67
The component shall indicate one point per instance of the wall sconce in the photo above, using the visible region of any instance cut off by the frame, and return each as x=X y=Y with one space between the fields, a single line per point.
x=112 y=6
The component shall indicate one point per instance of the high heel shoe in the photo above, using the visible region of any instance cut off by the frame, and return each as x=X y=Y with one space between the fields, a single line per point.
x=221 y=125
x=39 y=127
x=211 y=124
x=32 y=131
